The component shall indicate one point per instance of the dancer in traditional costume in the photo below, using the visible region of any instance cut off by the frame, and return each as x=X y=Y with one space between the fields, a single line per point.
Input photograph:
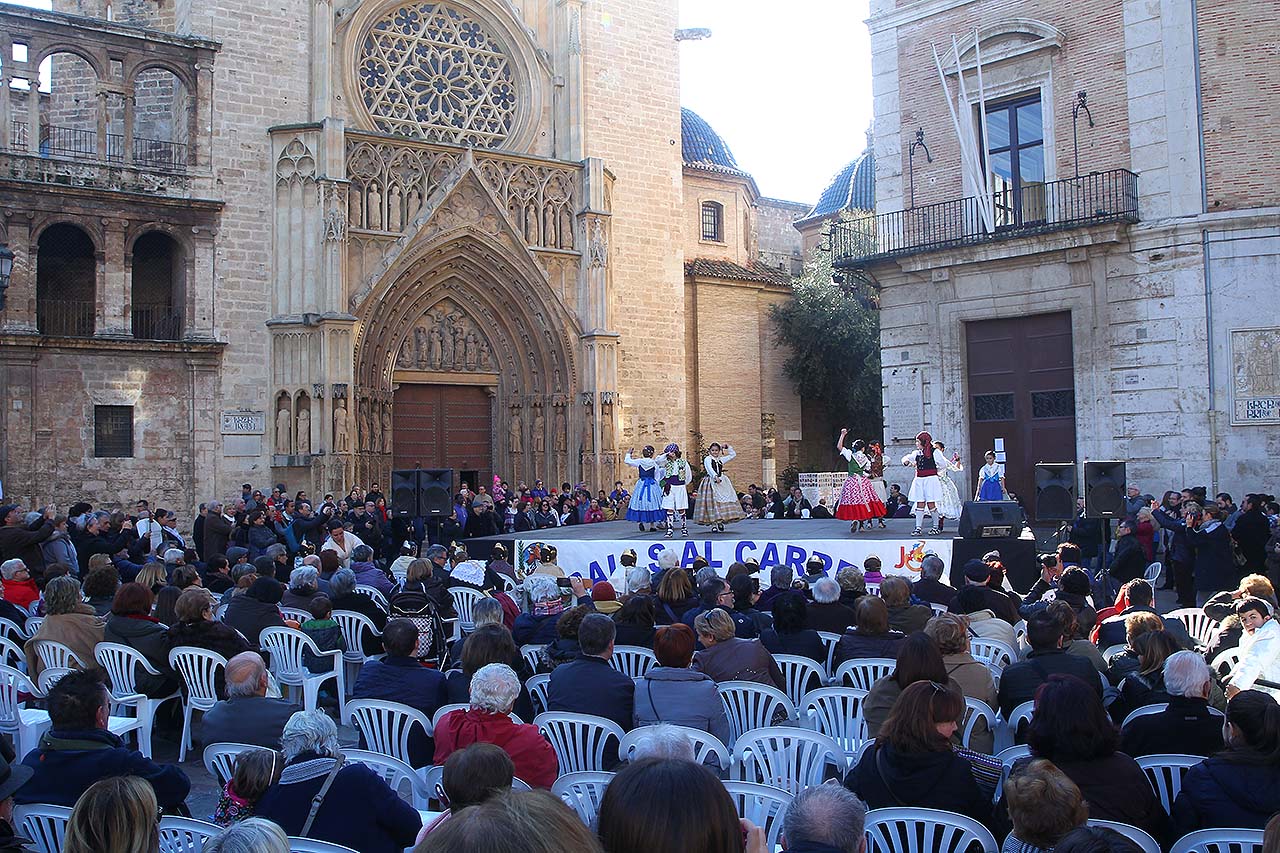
x=675 y=474
x=991 y=480
x=646 y=498
x=858 y=500
x=876 y=453
x=718 y=502
x=926 y=490
x=949 y=506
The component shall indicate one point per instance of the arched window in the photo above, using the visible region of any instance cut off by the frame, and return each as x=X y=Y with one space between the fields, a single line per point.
x=713 y=221
x=157 y=287
x=66 y=282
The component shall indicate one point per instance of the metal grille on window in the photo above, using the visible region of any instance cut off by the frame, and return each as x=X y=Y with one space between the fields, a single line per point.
x=1053 y=404
x=993 y=407
x=712 y=221
x=429 y=70
x=113 y=431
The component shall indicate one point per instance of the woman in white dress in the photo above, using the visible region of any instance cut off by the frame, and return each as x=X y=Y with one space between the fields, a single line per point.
x=950 y=505
x=717 y=499
x=926 y=489
x=674 y=474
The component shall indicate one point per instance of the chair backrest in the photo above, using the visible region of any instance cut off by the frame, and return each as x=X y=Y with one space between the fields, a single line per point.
x=538 y=685
x=704 y=744
x=1219 y=841
x=837 y=713
x=386 y=726
x=311 y=845
x=1152 y=572
x=583 y=792
x=1165 y=773
x=1020 y=632
x=1133 y=833
x=11 y=653
x=763 y=805
x=184 y=834
x=632 y=661
x=199 y=669
x=915 y=830
x=863 y=672
x=1227 y=660
x=122 y=664
x=578 y=739
x=1144 y=711
x=220 y=759
x=1007 y=757
x=44 y=824
x=464 y=599
x=376 y=594
x=1200 y=625
x=786 y=757
x=12 y=682
x=447 y=709
x=829 y=642
x=10 y=630
x=531 y=652
x=392 y=770
x=286 y=646
x=49 y=676
x=975 y=710
x=55 y=654
x=750 y=705
x=354 y=626
x=801 y=674
x=996 y=654
x=1020 y=714
x=873 y=588
x=1113 y=650
x=938 y=609
x=295 y=613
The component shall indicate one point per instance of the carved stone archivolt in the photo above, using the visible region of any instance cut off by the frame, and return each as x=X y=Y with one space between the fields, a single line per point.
x=446 y=338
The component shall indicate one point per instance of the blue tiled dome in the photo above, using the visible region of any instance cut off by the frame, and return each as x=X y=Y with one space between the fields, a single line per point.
x=702 y=147
x=853 y=188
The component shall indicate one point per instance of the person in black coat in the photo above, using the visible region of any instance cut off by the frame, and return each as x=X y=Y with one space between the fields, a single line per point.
x=342 y=596
x=256 y=609
x=872 y=637
x=1129 y=561
x=590 y=685
x=911 y=762
x=1186 y=723
x=791 y=634
x=400 y=678
x=634 y=622
x=95 y=539
x=1251 y=532
x=1215 y=563
x=1048 y=657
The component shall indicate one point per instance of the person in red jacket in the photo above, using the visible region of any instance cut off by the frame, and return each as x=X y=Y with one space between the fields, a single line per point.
x=494 y=689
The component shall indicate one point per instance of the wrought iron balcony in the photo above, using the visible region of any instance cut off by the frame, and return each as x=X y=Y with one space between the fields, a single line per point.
x=68 y=318
x=79 y=144
x=159 y=322
x=1092 y=199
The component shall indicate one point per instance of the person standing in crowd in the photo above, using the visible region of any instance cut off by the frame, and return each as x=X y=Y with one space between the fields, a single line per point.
x=858 y=502
x=1251 y=531
x=1180 y=554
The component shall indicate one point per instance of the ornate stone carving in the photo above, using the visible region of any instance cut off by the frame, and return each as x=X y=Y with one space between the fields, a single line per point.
x=335 y=214
x=560 y=431
x=598 y=249
x=606 y=424
x=446 y=338
x=296 y=163
x=588 y=426
x=539 y=438
x=317 y=390
x=386 y=427
x=340 y=391
x=284 y=432
x=515 y=430
x=303 y=443
x=341 y=428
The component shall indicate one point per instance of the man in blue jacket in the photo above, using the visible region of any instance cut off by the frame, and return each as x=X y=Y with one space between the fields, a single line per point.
x=590 y=685
x=400 y=678
x=79 y=750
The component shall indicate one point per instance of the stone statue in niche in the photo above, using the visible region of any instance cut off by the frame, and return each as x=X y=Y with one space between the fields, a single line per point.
x=420 y=346
x=304 y=431
x=485 y=361
x=284 y=432
x=598 y=248
x=393 y=209
x=366 y=430
x=469 y=358
x=446 y=331
x=561 y=431
x=341 y=428
x=515 y=431
x=412 y=204
x=558 y=387
x=355 y=207
x=374 y=200
x=538 y=439
x=459 y=344
x=435 y=355
x=386 y=427
x=375 y=423
x=606 y=426
x=588 y=430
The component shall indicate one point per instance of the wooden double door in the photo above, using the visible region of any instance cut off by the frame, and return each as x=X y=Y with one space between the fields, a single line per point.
x=444 y=426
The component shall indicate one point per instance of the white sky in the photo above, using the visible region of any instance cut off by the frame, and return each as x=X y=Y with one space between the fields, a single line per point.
x=786 y=84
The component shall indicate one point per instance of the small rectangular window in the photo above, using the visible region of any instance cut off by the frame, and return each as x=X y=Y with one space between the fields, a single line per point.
x=712 y=221
x=113 y=431
x=993 y=407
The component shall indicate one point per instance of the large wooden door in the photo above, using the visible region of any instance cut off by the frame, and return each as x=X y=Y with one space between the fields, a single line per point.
x=1022 y=390
x=443 y=426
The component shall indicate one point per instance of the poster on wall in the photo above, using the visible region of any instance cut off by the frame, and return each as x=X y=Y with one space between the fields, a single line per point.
x=1255 y=376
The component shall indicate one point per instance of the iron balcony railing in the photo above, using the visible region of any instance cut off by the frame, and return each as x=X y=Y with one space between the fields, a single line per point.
x=66 y=318
x=80 y=144
x=159 y=322
x=1029 y=209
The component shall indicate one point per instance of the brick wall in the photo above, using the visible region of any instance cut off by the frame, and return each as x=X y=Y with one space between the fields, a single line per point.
x=739 y=217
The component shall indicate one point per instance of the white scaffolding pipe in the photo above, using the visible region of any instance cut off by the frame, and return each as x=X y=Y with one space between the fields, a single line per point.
x=974 y=166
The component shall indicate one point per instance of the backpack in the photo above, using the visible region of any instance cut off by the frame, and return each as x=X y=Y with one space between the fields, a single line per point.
x=414 y=605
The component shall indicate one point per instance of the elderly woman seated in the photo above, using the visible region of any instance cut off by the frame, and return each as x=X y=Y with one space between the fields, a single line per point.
x=358 y=810
x=68 y=621
x=726 y=657
x=304 y=585
x=1044 y=805
x=494 y=689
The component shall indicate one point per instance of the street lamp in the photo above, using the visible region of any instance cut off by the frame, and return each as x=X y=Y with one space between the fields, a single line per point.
x=6 y=270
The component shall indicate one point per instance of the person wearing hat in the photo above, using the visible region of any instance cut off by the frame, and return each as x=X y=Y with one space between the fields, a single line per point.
x=605 y=598
x=12 y=777
x=20 y=539
x=978 y=574
x=497 y=568
x=258 y=608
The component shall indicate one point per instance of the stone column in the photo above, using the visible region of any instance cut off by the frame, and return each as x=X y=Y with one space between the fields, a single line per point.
x=19 y=314
x=113 y=297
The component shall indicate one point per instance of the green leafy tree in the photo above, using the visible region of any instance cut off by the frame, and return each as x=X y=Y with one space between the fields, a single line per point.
x=832 y=334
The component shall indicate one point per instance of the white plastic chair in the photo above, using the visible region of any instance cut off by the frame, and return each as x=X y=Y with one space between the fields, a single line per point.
x=199 y=670
x=121 y=663
x=311 y=845
x=354 y=627
x=786 y=757
x=1165 y=773
x=1008 y=733
x=583 y=792
x=531 y=652
x=938 y=609
x=763 y=805
x=873 y=588
x=837 y=713
x=1020 y=633
x=1226 y=661
x=1113 y=650
x=386 y=726
x=1219 y=841
x=538 y=685
x=863 y=672
x=1144 y=711
x=220 y=759
x=801 y=674
x=1199 y=624
x=463 y=706
x=704 y=745
x=377 y=596
x=829 y=642
x=12 y=682
x=1152 y=572
x=579 y=740
x=286 y=646
x=1007 y=757
x=48 y=677
x=464 y=599
x=394 y=772
x=33 y=625
x=44 y=824
x=750 y=705
x=633 y=661
x=916 y=830
x=295 y=614
x=55 y=655
x=10 y=630
x=975 y=710
x=185 y=834
x=11 y=653
x=1137 y=836
x=996 y=654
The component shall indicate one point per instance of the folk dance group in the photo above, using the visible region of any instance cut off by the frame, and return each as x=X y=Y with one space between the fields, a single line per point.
x=660 y=496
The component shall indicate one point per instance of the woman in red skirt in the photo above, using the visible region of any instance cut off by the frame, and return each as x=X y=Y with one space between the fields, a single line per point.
x=858 y=500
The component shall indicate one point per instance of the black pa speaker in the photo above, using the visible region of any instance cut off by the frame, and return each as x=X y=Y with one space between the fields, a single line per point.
x=435 y=492
x=991 y=519
x=404 y=493
x=1103 y=489
x=1055 y=491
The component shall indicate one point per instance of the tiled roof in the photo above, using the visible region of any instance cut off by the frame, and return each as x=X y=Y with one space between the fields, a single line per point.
x=708 y=268
x=703 y=148
x=853 y=188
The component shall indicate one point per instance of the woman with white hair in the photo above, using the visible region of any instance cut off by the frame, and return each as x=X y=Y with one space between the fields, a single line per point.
x=546 y=603
x=253 y=835
x=494 y=689
x=314 y=768
x=304 y=585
